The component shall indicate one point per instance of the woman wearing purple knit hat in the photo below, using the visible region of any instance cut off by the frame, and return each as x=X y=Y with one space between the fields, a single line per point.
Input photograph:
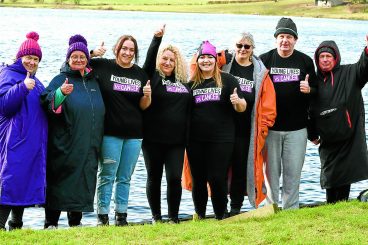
x=23 y=135
x=76 y=112
x=212 y=130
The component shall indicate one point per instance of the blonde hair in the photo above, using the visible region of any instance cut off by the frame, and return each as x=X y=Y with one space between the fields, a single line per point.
x=180 y=70
x=198 y=78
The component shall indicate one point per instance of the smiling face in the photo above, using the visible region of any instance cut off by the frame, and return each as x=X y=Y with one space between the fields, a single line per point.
x=207 y=64
x=285 y=44
x=126 y=53
x=167 y=62
x=244 y=50
x=30 y=63
x=77 y=61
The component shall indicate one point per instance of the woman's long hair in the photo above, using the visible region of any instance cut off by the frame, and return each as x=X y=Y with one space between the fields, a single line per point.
x=120 y=43
x=180 y=70
x=198 y=77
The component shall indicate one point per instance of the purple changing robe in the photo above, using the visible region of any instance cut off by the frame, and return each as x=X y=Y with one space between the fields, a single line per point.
x=23 y=139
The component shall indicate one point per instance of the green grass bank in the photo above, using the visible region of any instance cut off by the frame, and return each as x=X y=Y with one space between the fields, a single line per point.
x=303 y=8
x=343 y=223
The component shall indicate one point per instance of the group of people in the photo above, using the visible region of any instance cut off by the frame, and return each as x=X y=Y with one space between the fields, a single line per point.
x=231 y=124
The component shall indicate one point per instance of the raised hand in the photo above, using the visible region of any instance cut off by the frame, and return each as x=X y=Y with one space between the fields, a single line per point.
x=99 y=51
x=160 y=32
x=304 y=85
x=66 y=88
x=147 y=89
x=29 y=82
x=316 y=142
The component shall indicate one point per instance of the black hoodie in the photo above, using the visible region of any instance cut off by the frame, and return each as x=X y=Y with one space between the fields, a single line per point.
x=343 y=162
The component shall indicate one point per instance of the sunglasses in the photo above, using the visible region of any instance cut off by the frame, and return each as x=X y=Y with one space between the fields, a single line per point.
x=246 y=46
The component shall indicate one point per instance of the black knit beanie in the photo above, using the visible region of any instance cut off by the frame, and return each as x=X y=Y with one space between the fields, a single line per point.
x=287 y=26
x=328 y=50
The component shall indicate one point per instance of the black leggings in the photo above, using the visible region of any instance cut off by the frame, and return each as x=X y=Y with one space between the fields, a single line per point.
x=156 y=156
x=52 y=218
x=338 y=194
x=239 y=172
x=209 y=162
x=16 y=216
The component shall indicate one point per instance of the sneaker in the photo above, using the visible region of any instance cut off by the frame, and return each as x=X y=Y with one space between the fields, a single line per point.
x=102 y=220
x=121 y=219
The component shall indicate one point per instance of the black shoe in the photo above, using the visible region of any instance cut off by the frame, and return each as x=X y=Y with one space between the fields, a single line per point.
x=156 y=219
x=121 y=219
x=220 y=217
x=234 y=211
x=102 y=219
x=13 y=225
x=174 y=220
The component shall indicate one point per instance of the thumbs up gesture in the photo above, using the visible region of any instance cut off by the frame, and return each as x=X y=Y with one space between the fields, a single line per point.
x=66 y=88
x=304 y=85
x=29 y=82
x=234 y=98
x=99 y=51
x=160 y=32
x=147 y=89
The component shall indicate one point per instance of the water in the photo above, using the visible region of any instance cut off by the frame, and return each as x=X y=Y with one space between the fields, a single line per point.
x=185 y=31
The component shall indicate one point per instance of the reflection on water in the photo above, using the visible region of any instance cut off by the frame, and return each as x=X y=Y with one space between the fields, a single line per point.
x=186 y=31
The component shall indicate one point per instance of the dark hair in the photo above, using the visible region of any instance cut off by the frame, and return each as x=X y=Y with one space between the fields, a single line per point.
x=120 y=43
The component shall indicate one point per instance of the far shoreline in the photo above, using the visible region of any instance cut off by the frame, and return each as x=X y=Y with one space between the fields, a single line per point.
x=293 y=8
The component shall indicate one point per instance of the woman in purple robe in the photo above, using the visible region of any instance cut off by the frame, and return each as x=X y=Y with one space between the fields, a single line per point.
x=23 y=135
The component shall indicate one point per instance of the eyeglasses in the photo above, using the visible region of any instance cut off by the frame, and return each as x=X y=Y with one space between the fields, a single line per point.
x=76 y=58
x=246 y=46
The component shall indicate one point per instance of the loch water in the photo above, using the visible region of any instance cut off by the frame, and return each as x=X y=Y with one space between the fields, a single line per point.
x=186 y=31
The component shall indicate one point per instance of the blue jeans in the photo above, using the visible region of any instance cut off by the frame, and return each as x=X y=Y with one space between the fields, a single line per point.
x=286 y=152
x=118 y=160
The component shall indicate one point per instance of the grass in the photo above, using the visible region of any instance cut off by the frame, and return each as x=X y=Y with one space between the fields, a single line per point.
x=343 y=223
x=304 y=8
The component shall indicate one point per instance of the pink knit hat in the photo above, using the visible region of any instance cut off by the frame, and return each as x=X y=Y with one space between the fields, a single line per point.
x=207 y=48
x=30 y=46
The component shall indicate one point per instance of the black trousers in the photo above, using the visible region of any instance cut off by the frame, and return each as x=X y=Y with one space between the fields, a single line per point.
x=156 y=157
x=338 y=194
x=52 y=218
x=209 y=162
x=16 y=216
x=239 y=161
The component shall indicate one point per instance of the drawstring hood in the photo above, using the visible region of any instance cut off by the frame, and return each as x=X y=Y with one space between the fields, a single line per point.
x=330 y=47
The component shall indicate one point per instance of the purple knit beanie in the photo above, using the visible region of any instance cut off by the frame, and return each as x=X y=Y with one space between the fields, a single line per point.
x=77 y=42
x=207 y=48
x=30 y=46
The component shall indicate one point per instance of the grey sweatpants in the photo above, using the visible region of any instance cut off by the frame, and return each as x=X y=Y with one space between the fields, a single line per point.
x=286 y=153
